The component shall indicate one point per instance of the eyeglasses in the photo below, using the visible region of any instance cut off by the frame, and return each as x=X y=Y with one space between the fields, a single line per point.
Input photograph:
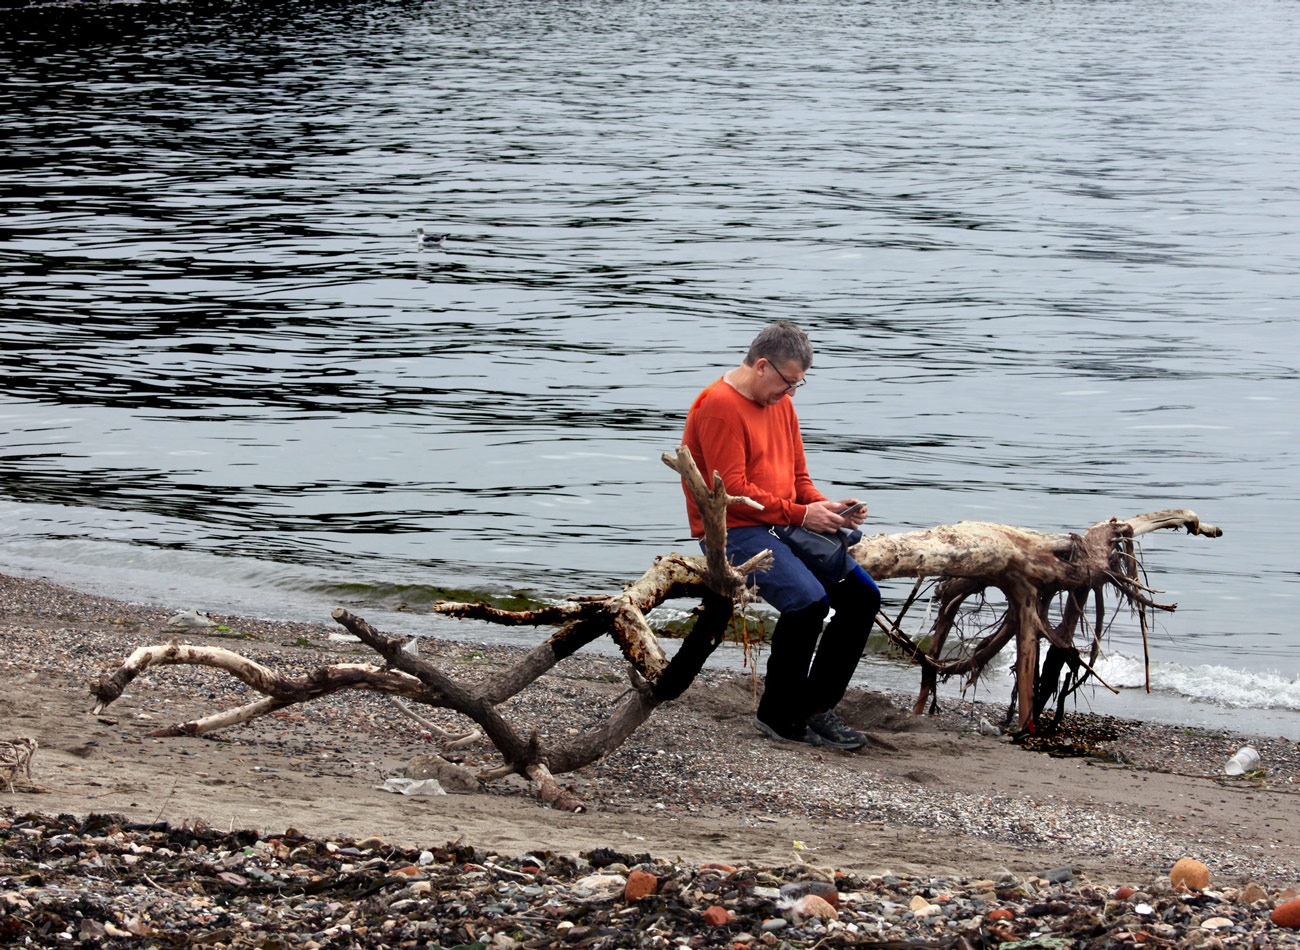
x=789 y=386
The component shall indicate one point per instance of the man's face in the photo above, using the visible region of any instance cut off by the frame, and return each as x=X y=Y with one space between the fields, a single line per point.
x=775 y=382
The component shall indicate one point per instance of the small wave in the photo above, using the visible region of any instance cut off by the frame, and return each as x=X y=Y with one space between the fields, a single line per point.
x=1219 y=685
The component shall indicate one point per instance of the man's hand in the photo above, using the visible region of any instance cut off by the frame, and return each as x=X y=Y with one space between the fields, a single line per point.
x=824 y=516
x=856 y=518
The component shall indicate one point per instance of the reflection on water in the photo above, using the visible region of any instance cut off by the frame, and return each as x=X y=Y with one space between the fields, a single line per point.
x=1048 y=263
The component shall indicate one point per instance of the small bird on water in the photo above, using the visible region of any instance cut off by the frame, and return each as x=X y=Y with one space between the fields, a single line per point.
x=425 y=241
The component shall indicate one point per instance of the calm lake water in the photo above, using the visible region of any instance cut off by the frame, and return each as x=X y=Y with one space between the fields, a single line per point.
x=1047 y=254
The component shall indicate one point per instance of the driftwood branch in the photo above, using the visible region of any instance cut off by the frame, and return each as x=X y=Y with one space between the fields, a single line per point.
x=16 y=756
x=1032 y=570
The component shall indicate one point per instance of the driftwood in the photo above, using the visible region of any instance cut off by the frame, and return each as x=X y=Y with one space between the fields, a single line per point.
x=16 y=756
x=654 y=679
x=1031 y=569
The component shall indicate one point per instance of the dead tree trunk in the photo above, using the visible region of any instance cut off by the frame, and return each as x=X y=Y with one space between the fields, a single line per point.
x=1028 y=567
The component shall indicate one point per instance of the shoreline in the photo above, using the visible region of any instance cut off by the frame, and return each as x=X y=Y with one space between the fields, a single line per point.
x=931 y=797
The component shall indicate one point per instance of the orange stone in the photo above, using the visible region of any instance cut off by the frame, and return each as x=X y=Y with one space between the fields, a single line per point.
x=410 y=870
x=715 y=866
x=1125 y=892
x=1002 y=913
x=640 y=885
x=1191 y=874
x=716 y=916
x=1287 y=915
x=814 y=906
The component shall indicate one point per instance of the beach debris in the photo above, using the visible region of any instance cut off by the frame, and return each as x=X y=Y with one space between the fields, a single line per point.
x=178 y=885
x=192 y=618
x=1191 y=874
x=412 y=786
x=456 y=779
x=1244 y=760
x=16 y=756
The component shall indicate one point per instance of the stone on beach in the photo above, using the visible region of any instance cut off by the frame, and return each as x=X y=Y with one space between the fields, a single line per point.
x=717 y=916
x=640 y=885
x=812 y=906
x=1287 y=915
x=1191 y=874
x=1252 y=893
x=596 y=883
x=822 y=889
x=920 y=907
x=450 y=776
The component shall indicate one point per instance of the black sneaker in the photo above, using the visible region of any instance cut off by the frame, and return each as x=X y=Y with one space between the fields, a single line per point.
x=834 y=731
x=790 y=733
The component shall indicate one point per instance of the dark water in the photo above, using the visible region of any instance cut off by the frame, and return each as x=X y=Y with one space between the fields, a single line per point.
x=1047 y=254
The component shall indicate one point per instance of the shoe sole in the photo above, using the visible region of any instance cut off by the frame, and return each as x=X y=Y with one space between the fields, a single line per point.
x=771 y=733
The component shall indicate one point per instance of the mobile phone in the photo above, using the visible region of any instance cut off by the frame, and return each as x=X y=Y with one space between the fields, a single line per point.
x=853 y=509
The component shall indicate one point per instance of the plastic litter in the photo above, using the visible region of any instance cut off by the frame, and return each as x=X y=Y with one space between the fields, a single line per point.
x=1246 y=760
x=412 y=786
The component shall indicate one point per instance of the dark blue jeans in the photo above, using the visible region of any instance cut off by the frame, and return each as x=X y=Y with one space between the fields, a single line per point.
x=808 y=669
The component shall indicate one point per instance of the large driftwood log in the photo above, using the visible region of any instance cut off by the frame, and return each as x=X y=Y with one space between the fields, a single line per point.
x=1030 y=568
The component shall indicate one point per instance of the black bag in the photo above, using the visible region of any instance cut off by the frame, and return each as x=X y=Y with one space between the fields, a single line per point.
x=827 y=555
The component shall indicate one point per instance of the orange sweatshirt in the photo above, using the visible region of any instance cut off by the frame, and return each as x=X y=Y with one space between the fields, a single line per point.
x=758 y=451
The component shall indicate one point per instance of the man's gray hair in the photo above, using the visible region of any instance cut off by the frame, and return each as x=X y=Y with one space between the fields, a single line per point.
x=779 y=344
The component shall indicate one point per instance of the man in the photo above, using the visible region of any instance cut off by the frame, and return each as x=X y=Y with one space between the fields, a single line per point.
x=744 y=427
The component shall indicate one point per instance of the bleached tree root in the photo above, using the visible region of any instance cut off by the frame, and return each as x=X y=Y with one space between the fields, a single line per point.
x=1033 y=571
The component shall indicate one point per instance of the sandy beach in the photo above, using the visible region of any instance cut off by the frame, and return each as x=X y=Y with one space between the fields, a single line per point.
x=931 y=796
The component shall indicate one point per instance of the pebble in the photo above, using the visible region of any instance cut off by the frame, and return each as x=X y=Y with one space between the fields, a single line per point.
x=640 y=885
x=716 y=916
x=1287 y=915
x=1191 y=874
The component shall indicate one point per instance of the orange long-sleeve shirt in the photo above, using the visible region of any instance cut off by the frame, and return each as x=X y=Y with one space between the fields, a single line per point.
x=758 y=451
